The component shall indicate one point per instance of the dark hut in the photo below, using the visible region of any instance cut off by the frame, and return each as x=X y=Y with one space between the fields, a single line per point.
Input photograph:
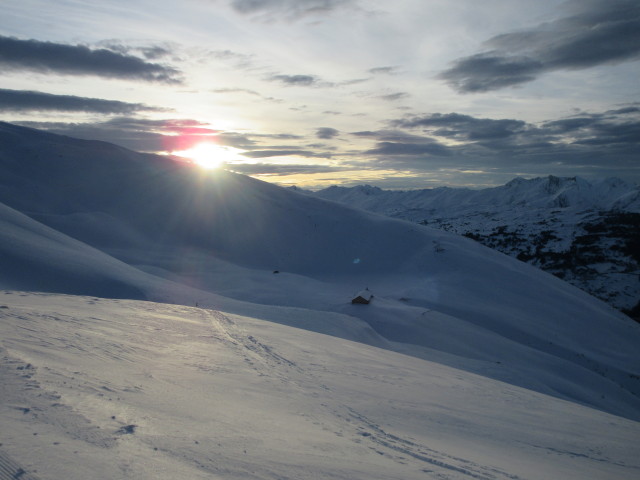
x=364 y=297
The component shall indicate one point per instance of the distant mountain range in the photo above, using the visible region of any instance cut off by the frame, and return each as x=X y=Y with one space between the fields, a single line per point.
x=586 y=233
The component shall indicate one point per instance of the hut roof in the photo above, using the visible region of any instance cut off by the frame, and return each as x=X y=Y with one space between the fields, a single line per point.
x=364 y=296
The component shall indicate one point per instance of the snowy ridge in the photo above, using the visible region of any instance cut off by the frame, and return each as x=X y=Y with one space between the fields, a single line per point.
x=448 y=318
x=550 y=192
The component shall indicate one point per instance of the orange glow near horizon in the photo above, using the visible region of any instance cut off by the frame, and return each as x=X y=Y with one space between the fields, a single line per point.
x=209 y=155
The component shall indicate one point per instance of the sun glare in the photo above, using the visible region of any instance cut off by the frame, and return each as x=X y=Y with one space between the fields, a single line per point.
x=209 y=155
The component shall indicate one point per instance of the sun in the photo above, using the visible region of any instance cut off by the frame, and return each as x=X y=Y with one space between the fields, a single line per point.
x=209 y=155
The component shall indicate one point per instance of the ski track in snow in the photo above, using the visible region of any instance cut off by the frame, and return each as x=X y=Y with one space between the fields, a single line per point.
x=72 y=405
x=267 y=362
x=255 y=352
x=10 y=470
x=435 y=459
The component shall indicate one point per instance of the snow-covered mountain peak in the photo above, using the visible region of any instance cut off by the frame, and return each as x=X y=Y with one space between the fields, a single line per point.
x=541 y=192
x=369 y=190
x=515 y=182
x=559 y=192
x=564 y=192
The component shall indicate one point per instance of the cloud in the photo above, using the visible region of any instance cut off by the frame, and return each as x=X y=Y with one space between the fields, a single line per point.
x=149 y=52
x=354 y=81
x=49 y=57
x=288 y=9
x=583 y=144
x=624 y=110
x=598 y=32
x=247 y=92
x=568 y=125
x=26 y=100
x=155 y=52
x=147 y=135
x=392 y=97
x=170 y=126
x=140 y=134
x=383 y=70
x=491 y=71
x=392 y=136
x=413 y=149
x=281 y=169
x=296 y=80
x=615 y=129
x=588 y=142
x=591 y=142
x=465 y=127
x=304 y=80
x=327 y=132
x=241 y=61
x=284 y=153
x=277 y=136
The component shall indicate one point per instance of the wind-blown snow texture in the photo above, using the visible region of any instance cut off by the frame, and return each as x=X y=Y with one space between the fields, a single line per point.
x=505 y=368
x=586 y=233
x=105 y=389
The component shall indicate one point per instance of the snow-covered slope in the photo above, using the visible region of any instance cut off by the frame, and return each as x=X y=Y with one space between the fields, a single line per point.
x=586 y=233
x=36 y=257
x=106 y=389
x=39 y=258
x=169 y=232
x=114 y=197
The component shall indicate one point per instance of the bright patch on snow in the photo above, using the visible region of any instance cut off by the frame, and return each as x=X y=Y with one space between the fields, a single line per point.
x=209 y=155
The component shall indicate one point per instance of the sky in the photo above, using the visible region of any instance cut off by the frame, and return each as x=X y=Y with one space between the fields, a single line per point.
x=402 y=95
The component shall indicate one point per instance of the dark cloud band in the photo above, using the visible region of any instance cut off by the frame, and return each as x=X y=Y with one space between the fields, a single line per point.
x=296 y=80
x=464 y=127
x=327 y=133
x=599 y=32
x=393 y=97
x=25 y=100
x=383 y=70
x=282 y=169
x=47 y=57
x=284 y=153
x=588 y=141
x=289 y=9
x=491 y=71
x=410 y=149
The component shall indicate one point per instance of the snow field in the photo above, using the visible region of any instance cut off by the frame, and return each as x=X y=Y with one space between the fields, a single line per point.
x=126 y=389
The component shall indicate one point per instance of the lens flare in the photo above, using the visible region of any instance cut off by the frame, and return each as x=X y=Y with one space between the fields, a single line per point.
x=209 y=155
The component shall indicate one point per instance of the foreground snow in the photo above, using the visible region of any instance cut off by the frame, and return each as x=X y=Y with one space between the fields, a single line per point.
x=109 y=389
